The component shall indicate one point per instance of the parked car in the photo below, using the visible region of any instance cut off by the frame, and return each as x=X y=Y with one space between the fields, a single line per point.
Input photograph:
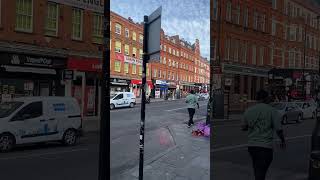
x=122 y=99
x=39 y=119
x=308 y=109
x=289 y=111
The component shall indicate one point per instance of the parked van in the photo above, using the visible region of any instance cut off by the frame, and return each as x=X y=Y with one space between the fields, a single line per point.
x=39 y=119
x=122 y=99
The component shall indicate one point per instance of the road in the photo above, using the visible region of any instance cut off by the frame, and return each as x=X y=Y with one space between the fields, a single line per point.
x=53 y=161
x=230 y=153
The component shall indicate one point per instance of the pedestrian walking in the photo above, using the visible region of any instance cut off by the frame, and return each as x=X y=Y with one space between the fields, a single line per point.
x=192 y=101
x=261 y=120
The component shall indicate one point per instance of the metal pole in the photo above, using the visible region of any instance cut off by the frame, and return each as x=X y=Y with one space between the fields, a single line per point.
x=304 y=60
x=143 y=100
x=104 y=149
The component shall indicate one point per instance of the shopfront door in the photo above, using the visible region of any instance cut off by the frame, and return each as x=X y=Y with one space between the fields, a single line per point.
x=44 y=89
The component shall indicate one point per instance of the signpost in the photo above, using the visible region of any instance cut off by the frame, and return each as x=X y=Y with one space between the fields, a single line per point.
x=104 y=147
x=151 y=52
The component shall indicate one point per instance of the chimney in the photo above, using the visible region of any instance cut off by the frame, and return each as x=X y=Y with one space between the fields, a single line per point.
x=130 y=19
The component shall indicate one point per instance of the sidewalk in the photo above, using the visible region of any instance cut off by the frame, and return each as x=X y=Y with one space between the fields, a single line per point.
x=138 y=100
x=189 y=159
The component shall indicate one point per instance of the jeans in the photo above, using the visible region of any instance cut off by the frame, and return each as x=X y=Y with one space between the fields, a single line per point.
x=261 y=160
x=191 y=114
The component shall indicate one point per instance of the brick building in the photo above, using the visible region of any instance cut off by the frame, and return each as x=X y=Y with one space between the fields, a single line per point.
x=259 y=35
x=173 y=75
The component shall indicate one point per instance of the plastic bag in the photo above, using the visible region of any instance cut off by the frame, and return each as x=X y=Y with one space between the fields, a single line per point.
x=207 y=131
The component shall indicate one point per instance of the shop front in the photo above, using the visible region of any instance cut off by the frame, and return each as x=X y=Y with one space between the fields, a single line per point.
x=172 y=89
x=30 y=75
x=161 y=89
x=135 y=87
x=185 y=88
x=119 y=85
x=83 y=83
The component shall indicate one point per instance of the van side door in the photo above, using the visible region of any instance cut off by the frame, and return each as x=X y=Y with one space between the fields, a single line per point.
x=28 y=123
x=119 y=100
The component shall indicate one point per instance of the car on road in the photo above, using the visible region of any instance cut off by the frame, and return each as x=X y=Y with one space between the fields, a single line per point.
x=39 y=119
x=122 y=99
x=289 y=111
x=308 y=109
x=205 y=96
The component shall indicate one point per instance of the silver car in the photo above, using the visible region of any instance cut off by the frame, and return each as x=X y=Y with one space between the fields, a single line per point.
x=289 y=112
x=308 y=109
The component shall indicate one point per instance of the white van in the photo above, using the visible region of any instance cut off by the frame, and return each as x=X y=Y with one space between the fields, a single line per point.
x=39 y=119
x=122 y=99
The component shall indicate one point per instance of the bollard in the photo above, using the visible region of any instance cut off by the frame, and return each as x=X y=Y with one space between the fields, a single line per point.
x=314 y=164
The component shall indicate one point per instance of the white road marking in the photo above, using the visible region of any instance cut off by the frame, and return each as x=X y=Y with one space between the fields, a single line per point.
x=43 y=154
x=245 y=145
x=184 y=108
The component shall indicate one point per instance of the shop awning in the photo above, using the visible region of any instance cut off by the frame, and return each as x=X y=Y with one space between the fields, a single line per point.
x=29 y=70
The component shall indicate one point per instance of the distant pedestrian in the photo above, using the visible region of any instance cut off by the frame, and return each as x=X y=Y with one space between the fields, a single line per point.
x=192 y=101
x=261 y=120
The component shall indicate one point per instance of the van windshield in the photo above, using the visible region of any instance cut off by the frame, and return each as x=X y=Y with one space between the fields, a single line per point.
x=6 y=108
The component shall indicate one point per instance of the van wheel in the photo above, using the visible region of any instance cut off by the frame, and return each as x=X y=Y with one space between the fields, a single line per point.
x=7 y=142
x=131 y=105
x=112 y=106
x=284 y=120
x=299 y=118
x=70 y=137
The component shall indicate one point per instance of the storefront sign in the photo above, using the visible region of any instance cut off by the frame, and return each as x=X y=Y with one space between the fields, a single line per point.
x=30 y=60
x=92 y=5
x=88 y=65
x=68 y=74
x=237 y=69
x=132 y=60
x=157 y=94
x=139 y=82
x=120 y=81
x=6 y=97
x=161 y=82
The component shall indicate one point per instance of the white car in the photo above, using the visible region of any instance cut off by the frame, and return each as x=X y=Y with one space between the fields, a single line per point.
x=39 y=119
x=122 y=99
x=308 y=109
x=205 y=95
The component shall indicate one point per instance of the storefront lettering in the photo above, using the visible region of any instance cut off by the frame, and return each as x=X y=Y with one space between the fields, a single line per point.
x=15 y=59
x=132 y=60
x=96 y=66
x=42 y=61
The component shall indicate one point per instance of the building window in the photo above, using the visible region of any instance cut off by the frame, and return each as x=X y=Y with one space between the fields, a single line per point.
x=134 y=36
x=229 y=11
x=117 y=66
x=134 y=52
x=263 y=23
x=227 y=49
x=236 y=51
x=215 y=9
x=291 y=59
x=255 y=20
x=274 y=27
x=274 y=4
x=237 y=15
x=127 y=32
x=261 y=56
x=118 y=28
x=140 y=70
x=169 y=50
x=271 y=55
x=97 y=28
x=134 y=69
x=77 y=20
x=155 y=73
x=140 y=54
x=169 y=62
x=177 y=53
x=245 y=17
x=173 y=52
x=293 y=33
x=159 y=73
x=141 y=39
x=126 y=68
x=254 y=54
x=126 y=50
x=52 y=19
x=164 y=60
x=118 y=47
x=164 y=48
x=24 y=15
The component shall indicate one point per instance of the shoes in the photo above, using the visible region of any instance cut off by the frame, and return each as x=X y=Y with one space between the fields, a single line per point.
x=189 y=126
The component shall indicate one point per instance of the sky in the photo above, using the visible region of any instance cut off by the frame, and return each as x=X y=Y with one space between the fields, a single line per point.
x=189 y=19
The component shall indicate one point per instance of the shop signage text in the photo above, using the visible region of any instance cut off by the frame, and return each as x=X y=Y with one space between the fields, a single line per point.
x=68 y=74
x=33 y=61
x=132 y=60
x=161 y=82
x=93 y=5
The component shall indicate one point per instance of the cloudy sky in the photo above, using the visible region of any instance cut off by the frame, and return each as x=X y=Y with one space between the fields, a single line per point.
x=189 y=19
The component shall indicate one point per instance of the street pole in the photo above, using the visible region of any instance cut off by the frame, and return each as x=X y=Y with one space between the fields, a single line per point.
x=304 y=60
x=104 y=148
x=143 y=100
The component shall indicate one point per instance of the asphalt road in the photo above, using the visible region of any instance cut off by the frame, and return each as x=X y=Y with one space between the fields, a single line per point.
x=56 y=162
x=230 y=152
